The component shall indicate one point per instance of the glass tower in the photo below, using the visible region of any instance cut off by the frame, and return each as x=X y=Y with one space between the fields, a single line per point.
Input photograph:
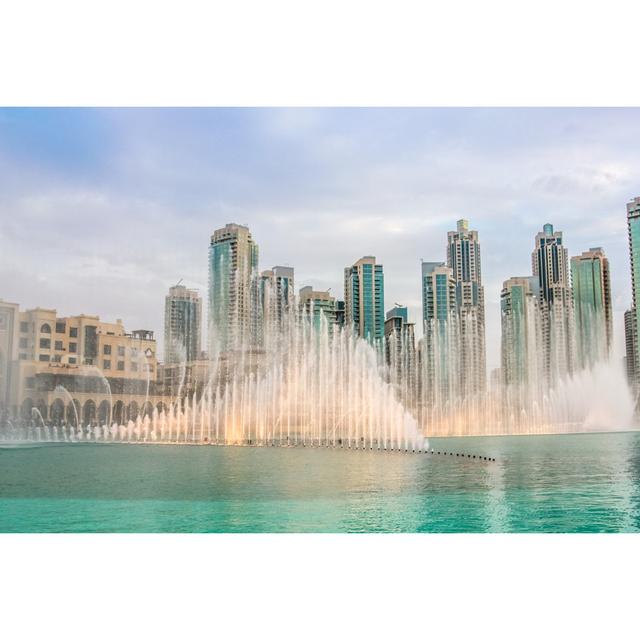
x=463 y=257
x=633 y=225
x=233 y=295
x=591 y=287
x=364 y=299
x=182 y=325
x=550 y=265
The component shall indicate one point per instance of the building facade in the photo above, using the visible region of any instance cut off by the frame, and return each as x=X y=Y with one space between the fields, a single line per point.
x=318 y=306
x=80 y=370
x=182 y=325
x=633 y=228
x=400 y=355
x=550 y=265
x=592 y=312
x=521 y=331
x=233 y=290
x=463 y=258
x=364 y=299
x=438 y=352
x=276 y=300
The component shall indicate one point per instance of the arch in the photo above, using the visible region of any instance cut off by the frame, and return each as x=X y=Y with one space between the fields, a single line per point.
x=118 y=412
x=72 y=416
x=57 y=411
x=42 y=407
x=89 y=412
x=132 y=412
x=147 y=409
x=26 y=409
x=103 y=412
x=45 y=328
x=161 y=407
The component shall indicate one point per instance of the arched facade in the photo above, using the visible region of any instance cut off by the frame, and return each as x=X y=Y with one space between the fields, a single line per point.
x=132 y=412
x=104 y=413
x=45 y=328
x=118 y=412
x=26 y=409
x=89 y=412
x=57 y=411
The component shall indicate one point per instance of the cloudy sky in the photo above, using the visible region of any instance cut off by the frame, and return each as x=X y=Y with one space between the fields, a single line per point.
x=102 y=210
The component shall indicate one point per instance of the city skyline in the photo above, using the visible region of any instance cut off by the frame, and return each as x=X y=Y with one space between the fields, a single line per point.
x=70 y=177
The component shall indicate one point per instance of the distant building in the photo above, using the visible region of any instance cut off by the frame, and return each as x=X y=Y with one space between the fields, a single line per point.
x=463 y=258
x=630 y=342
x=592 y=312
x=80 y=368
x=233 y=289
x=318 y=305
x=340 y=313
x=400 y=354
x=521 y=330
x=550 y=265
x=364 y=299
x=633 y=227
x=439 y=357
x=9 y=324
x=182 y=325
x=276 y=298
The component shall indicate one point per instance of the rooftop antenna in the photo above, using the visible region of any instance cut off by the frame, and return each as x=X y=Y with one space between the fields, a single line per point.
x=177 y=284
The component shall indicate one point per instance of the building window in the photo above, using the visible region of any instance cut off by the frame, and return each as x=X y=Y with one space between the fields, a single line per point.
x=22 y=356
x=107 y=350
x=44 y=358
x=56 y=358
x=121 y=351
x=73 y=332
x=23 y=343
x=45 y=328
x=59 y=345
x=73 y=347
x=106 y=364
x=121 y=365
x=134 y=366
x=24 y=327
x=45 y=343
x=72 y=360
x=61 y=327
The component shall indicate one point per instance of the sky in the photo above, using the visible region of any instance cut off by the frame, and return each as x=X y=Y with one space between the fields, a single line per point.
x=102 y=210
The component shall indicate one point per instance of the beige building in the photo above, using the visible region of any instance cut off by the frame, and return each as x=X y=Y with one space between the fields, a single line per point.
x=76 y=368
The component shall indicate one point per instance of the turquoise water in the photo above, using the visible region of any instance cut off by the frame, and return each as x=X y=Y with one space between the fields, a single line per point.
x=578 y=483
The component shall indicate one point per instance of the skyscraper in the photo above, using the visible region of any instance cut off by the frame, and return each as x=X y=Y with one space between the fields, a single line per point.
x=630 y=341
x=439 y=356
x=520 y=322
x=550 y=265
x=591 y=287
x=318 y=305
x=233 y=294
x=463 y=258
x=182 y=325
x=633 y=226
x=364 y=299
x=400 y=354
x=276 y=298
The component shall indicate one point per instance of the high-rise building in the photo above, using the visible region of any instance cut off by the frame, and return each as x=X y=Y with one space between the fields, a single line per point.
x=276 y=298
x=550 y=265
x=591 y=287
x=630 y=342
x=364 y=299
x=318 y=305
x=233 y=290
x=400 y=354
x=340 y=313
x=463 y=257
x=520 y=320
x=633 y=226
x=439 y=345
x=182 y=325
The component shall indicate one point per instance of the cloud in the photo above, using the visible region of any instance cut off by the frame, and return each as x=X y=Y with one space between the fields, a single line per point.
x=102 y=210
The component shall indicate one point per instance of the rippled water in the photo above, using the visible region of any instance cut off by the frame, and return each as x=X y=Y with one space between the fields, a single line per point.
x=575 y=483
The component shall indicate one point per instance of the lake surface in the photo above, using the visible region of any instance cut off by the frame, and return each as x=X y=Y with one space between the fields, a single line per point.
x=577 y=483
